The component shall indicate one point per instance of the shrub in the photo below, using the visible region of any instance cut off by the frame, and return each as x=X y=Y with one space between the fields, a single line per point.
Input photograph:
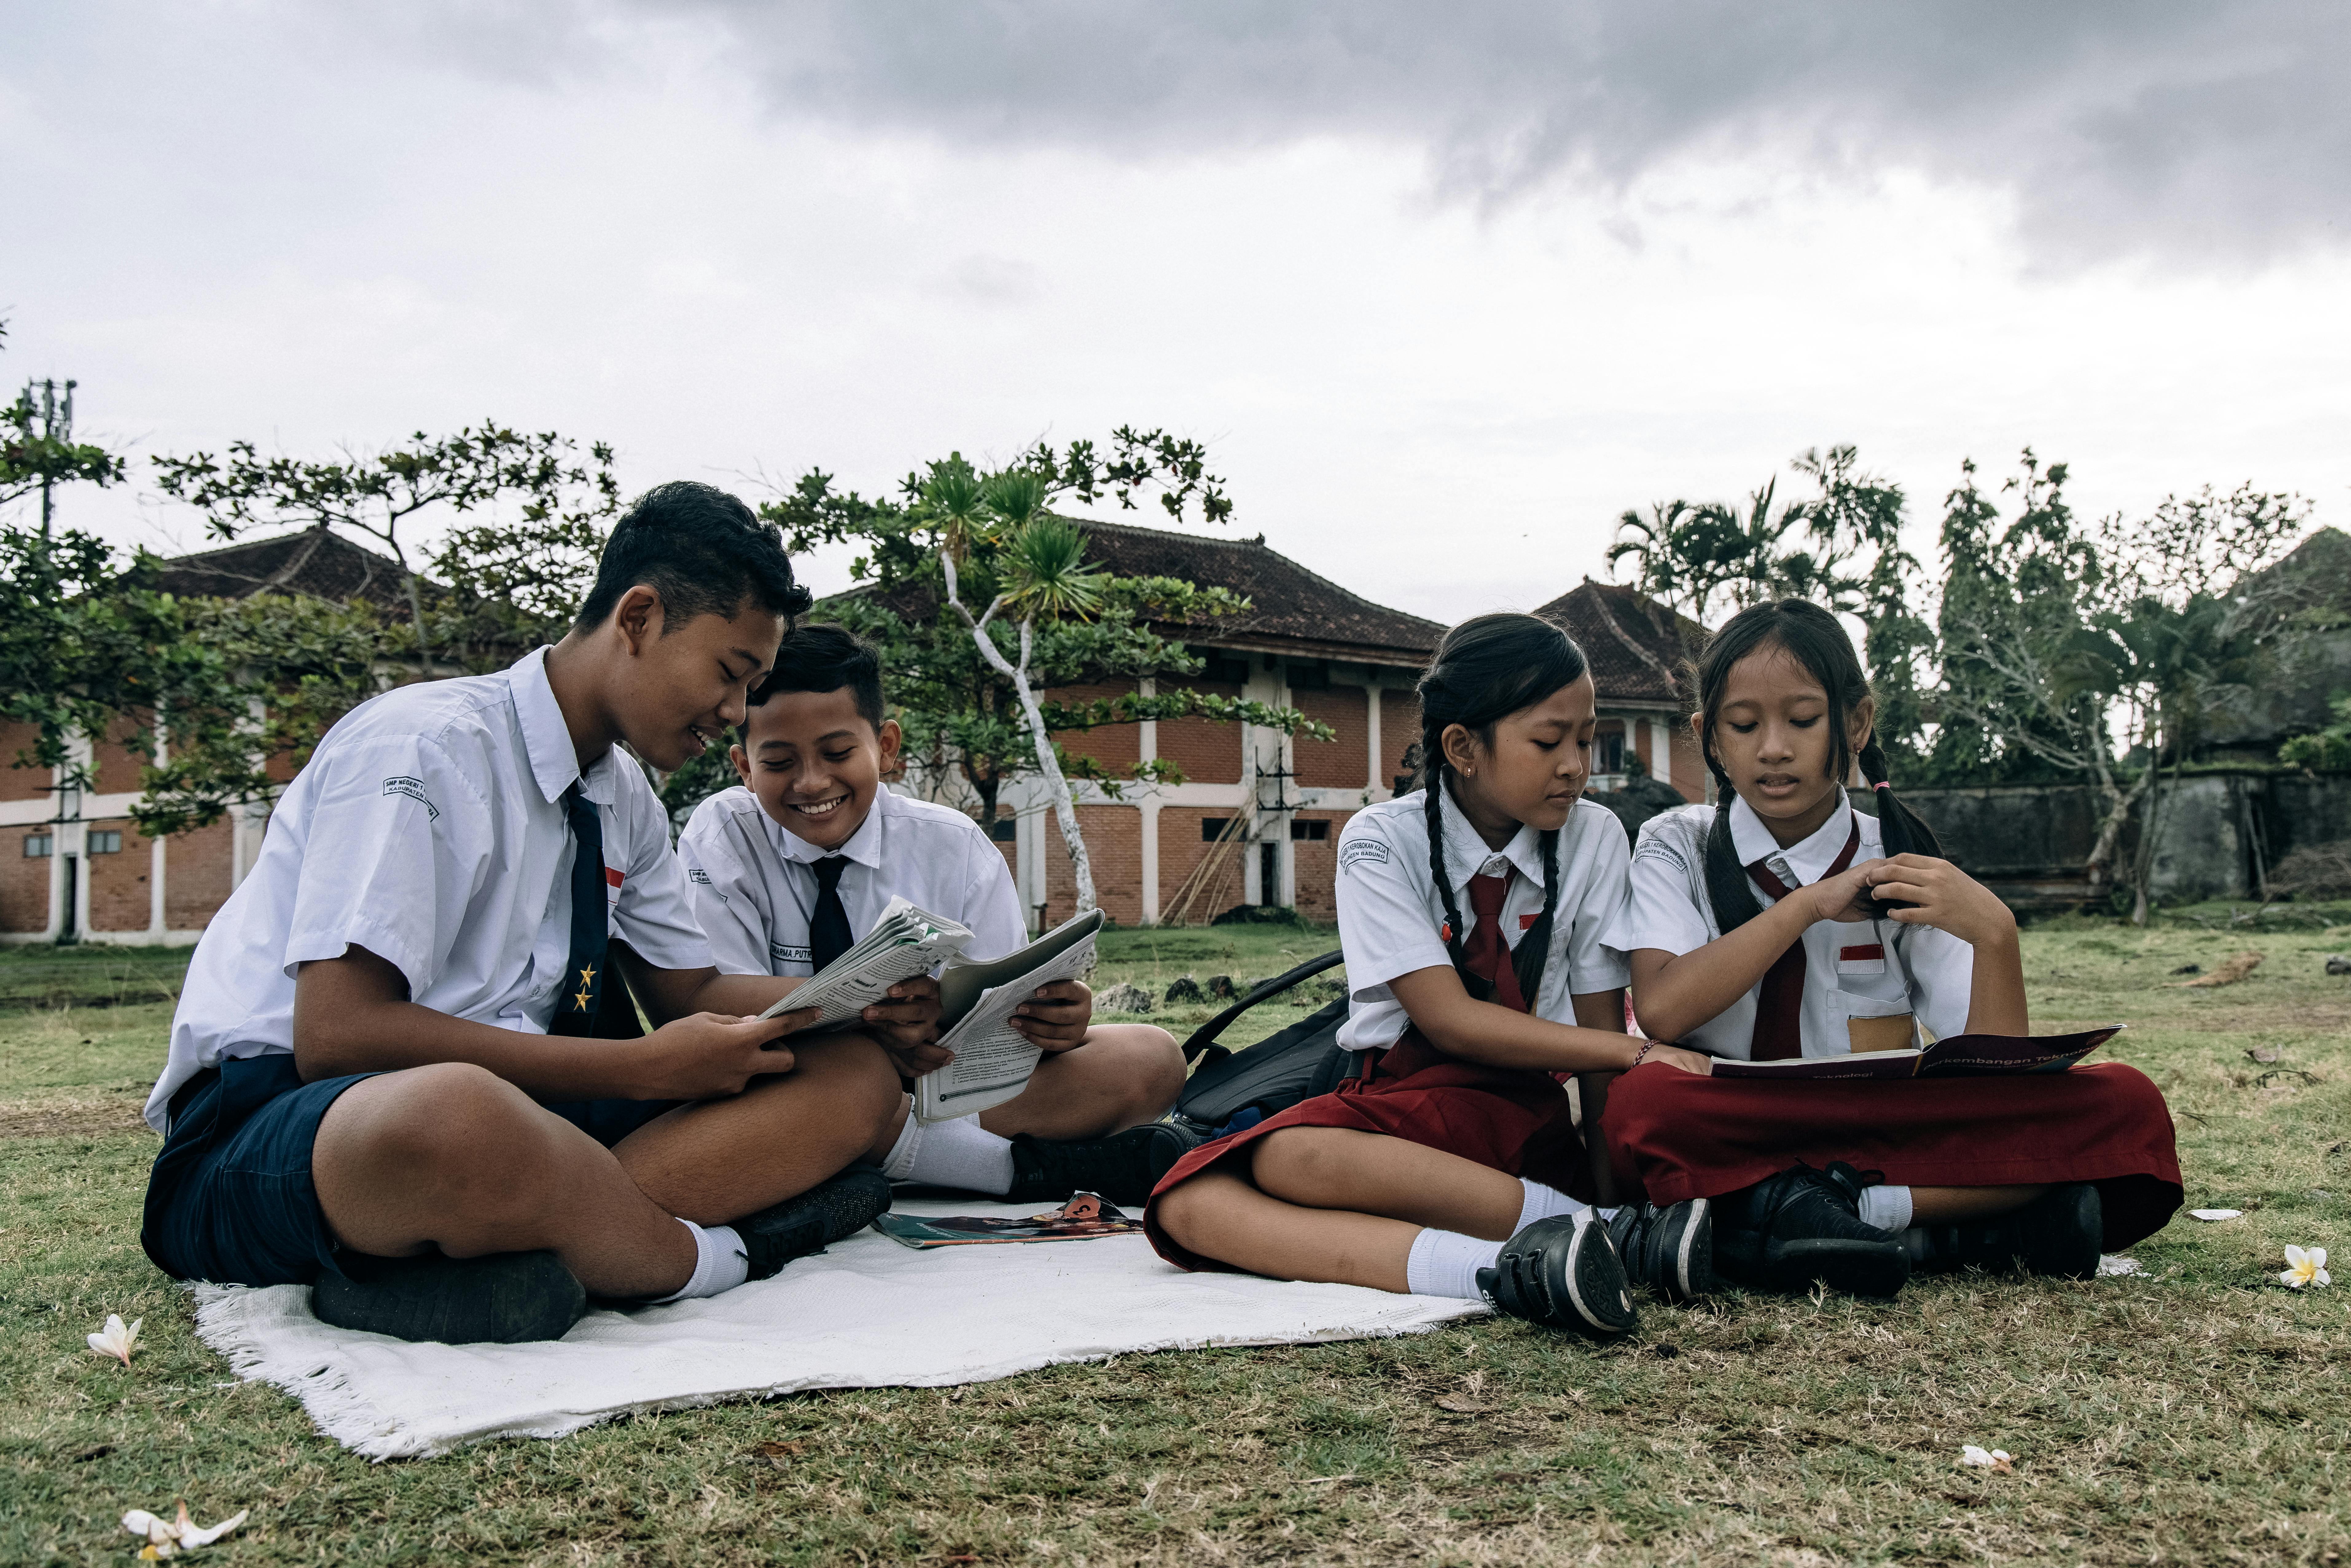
x=2314 y=871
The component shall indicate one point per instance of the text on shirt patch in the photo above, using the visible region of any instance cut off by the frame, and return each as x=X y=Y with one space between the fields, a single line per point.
x=414 y=789
x=1359 y=850
x=698 y=875
x=783 y=954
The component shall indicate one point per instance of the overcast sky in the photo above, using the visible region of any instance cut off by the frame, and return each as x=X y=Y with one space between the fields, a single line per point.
x=1446 y=288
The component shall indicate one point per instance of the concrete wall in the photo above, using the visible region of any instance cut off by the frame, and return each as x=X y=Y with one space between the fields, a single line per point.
x=2218 y=835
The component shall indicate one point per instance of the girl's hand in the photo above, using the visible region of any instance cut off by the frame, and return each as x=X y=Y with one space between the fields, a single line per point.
x=1696 y=1061
x=1946 y=897
x=1845 y=896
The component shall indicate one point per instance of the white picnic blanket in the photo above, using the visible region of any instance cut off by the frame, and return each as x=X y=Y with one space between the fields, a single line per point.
x=868 y=1313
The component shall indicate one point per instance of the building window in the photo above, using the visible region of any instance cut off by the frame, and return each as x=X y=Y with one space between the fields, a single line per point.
x=107 y=842
x=36 y=846
x=1225 y=669
x=1005 y=829
x=1213 y=828
x=1308 y=832
x=1608 y=753
x=1304 y=676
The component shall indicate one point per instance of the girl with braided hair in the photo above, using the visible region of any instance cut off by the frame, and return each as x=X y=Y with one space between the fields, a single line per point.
x=1781 y=923
x=1471 y=911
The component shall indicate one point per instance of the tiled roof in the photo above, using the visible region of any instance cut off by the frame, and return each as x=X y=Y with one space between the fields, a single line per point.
x=1638 y=647
x=1291 y=610
x=316 y=563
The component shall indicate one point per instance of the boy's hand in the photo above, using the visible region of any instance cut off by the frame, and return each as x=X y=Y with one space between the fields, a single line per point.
x=1946 y=897
x=910 y=1018
x=708 y=1056
x=1056 y=1018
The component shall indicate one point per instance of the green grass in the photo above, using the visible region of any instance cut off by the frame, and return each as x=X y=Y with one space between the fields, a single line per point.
x=2196 y=1414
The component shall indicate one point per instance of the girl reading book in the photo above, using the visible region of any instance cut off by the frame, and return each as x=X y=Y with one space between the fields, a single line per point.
x=1782 y=923
x=1471 y=911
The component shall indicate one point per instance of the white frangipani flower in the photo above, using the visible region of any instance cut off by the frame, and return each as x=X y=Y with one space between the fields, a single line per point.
x=115 y=1339
x=170 y=1537
x=2306 y=1266
x=1985 y=1458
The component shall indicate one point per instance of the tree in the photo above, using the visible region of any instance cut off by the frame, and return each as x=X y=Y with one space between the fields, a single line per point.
x=2095 y=652
x=560 y=494
x=980 y=597
x=1691 y=556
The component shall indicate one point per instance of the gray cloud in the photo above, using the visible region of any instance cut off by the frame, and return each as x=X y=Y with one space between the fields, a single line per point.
x=2196 y=133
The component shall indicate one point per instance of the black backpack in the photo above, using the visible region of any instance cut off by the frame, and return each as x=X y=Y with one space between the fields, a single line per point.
x=1231 y=1089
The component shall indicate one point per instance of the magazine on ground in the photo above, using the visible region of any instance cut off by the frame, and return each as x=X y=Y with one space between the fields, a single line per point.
x=993 y=1060
x=905 y=941
x=1084 y=1217
x=1960 y=1056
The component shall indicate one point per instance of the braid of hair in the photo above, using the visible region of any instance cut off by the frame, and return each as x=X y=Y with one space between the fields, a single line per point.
x=1904 y=831
x=1727 y=888
x=1534 y=948
x=1432 y=779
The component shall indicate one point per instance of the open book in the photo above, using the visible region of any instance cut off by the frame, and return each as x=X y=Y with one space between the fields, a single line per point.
x=1084 y=1218
x=905 y=941
x=993 y=1060
x=1960 y=1056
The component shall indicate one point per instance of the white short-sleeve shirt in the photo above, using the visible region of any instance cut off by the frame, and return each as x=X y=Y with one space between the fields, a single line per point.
x=754 y=881
x=429 y=829
x=1852 y=969
x=1391 y=917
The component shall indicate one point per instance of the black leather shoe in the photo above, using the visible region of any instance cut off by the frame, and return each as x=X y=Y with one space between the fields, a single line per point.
x=505 y=1298
x=832 y=1210
x=1671 y=1250
x=1804 y=1225
x=2058 y=1233
x=1564 y=1273
x=1123 y=1168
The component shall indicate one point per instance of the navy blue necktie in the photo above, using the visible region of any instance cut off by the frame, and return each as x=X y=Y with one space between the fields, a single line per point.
x=583 y=981
x=828 y=935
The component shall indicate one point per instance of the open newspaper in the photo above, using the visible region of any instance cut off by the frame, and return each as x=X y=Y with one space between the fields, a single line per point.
x=993 y=1060
x=1960 y=1056
x=905 y=941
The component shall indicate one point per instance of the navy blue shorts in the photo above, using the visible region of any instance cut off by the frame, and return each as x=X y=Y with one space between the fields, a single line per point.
x=231 y=1200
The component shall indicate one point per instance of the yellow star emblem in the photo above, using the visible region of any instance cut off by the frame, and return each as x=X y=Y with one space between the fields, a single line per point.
x=582 y=1001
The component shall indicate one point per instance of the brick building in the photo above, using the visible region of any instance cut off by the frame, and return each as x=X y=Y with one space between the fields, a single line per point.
x=1256 y=820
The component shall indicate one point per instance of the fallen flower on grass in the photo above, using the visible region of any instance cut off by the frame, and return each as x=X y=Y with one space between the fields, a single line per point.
x=2306 y=1267
x=170 y=1537
x=2212 y=1216
x=2110 y=1266
x=115 y=1339
x=1985 y=1459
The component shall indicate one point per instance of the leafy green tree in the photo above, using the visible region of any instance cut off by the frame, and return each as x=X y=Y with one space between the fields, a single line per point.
x=2095 y=651
x=518 y=568
x=980 y=598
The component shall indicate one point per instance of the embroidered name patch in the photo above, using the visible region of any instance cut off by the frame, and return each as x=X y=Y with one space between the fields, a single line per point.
x=1358 y=850
x=698 y=875
x=414 y=789
x=783 y=954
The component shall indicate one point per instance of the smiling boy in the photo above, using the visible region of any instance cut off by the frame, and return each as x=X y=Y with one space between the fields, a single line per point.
x=386 y=1074
x=790 y=868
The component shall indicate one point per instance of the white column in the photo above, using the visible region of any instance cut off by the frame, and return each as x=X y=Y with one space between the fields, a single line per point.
x=1661 y=750
x=1373 y=763
x=1150 y=841
x=155 y=872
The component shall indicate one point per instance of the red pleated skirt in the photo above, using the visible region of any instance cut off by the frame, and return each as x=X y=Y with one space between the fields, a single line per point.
x=1513 y=1120
x=1679 y=1136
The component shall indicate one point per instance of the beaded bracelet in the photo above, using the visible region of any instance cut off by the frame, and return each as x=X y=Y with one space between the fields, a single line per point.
x=1646 y=1046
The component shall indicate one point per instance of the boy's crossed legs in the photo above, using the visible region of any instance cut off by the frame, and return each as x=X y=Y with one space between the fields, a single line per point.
x=454 y=1159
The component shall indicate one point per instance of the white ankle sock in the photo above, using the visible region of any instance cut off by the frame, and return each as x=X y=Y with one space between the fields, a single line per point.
x=960 y=1153
x=1543 y=1203
x=1446 y=1264
x=1887 y=1208
x=720 y=1263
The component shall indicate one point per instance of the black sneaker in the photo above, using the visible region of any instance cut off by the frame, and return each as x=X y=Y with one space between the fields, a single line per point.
x=1804 y=1225
x=1123 y=1168
x=1564 y=1273
x=2058 y=1233
x=832 y=1210
x=1671 y=1250
x=505 y=1298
